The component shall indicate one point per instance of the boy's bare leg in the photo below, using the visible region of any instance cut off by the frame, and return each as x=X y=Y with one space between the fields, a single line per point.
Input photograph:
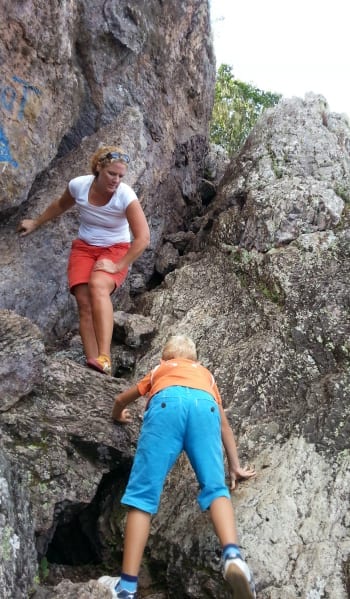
x=136 y=536
x=236 y=571
x=223 y=518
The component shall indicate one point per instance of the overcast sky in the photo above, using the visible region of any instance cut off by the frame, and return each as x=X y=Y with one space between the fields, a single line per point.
x=287 y=47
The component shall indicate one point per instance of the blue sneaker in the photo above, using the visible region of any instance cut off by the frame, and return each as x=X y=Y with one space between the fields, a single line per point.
x=110 y=583
x=238 y=576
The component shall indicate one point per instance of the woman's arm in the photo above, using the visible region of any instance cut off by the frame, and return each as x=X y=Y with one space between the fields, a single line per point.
x=122 y=400
x=56 y=208
x=141 y=238
x=235 y=470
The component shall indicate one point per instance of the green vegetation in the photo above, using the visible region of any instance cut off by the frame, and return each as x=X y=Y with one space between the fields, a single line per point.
x=343 y=192
x=237 y=106
x=272 y=292
x=43 y=569
x=6 y=550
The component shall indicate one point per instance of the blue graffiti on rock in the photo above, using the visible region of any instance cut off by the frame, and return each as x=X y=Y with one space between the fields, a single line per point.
x=13 y=99
x=5 y=152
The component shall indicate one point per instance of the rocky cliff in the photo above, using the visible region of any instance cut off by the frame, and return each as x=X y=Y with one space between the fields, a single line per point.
x=77 y=74
x=258 y=275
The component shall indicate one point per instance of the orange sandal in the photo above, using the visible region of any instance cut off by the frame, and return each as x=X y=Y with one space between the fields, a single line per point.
x=101 y=364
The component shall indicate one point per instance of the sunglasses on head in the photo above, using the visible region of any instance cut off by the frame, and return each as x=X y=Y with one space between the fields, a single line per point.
x=117 y=156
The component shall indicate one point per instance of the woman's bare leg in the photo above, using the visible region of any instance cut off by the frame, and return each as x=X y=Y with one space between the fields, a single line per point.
x=86 y=325
x=100 y=287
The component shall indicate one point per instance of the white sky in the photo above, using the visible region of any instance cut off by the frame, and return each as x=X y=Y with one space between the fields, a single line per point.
x=287 y=47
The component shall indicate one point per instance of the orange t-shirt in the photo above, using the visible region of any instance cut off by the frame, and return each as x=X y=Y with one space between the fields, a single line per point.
x=182 y=372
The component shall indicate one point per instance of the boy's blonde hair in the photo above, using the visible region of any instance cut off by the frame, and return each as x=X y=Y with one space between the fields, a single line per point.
x=179 y=346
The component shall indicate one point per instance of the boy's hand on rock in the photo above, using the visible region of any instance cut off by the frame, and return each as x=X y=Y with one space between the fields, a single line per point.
x=241 y=474
x=124 y=416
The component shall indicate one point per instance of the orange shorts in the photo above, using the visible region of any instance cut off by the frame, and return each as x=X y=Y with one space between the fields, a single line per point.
x=83 y=257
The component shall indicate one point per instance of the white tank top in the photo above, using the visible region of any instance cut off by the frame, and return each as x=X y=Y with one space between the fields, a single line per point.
x=102 y=225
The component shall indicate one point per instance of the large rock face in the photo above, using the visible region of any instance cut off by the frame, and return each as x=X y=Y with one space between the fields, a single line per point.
x=291 y=178
x=40 y=76
x=72 y=67
x=80 y=74
x=18 y=563
x=259 y=279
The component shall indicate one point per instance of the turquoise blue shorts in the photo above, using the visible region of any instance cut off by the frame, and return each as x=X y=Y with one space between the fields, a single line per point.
x=178 y=419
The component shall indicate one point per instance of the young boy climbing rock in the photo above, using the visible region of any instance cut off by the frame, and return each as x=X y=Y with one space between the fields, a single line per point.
x=184 y=413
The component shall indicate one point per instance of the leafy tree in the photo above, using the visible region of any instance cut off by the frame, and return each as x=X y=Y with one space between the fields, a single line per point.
x=237 y=106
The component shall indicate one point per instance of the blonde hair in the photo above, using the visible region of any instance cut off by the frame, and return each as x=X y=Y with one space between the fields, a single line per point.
x=179 y=346
x=101 y=157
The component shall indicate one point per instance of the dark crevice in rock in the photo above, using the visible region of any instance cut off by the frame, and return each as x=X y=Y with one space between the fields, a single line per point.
x=155 y=281
x=86 y=123
x=99 y=453
x=84 y=126
x=88 y=533
x=241 y=199
x=208 y=225
x=75 y=540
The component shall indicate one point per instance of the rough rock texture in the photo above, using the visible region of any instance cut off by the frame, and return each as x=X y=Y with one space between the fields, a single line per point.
x=291 y=177
x=259 y=277
x=90 y=590
x=281 y=354
x=274 y=328
x=61 y=427
x=18 y=563
x=60 y=434
x=132 y=329
x=295 y=548
x=40 y=76
x=109 y=55
x=20 y=344
x=137 y=74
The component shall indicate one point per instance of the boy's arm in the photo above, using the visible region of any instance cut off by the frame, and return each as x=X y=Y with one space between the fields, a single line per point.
x=122 y=400
x=234 y=467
